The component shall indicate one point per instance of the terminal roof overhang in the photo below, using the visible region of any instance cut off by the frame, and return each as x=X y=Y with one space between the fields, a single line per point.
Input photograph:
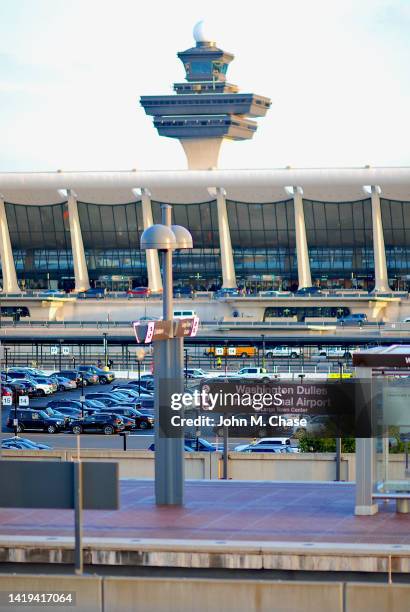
x=190 y=186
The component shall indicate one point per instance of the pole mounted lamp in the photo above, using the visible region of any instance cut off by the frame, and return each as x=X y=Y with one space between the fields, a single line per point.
x=168 y=363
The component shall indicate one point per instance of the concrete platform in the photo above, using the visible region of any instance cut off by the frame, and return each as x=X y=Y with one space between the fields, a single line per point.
x=236 y=525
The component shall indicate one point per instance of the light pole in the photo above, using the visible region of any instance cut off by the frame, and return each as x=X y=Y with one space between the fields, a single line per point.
x=105 y=344
x=168 y=364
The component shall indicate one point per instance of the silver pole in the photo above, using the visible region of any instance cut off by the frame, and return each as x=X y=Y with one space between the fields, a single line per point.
x=168 y=368
x=78 y=512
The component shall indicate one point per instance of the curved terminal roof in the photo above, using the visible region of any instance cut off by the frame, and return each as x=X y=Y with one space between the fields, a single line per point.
x=190 y=186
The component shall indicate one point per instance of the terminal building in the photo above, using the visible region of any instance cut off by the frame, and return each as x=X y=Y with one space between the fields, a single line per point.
x=259 y=229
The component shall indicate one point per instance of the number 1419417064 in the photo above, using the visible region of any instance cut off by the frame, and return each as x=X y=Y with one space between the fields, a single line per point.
x=39 y=598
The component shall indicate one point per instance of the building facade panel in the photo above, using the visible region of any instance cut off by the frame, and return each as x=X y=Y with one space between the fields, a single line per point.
x=111 y=236
x=396 y=228
x=339 y=237
x=263 y=241
x=201 y=265
x=40 y=239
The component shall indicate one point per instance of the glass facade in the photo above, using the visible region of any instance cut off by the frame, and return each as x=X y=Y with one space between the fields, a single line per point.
x=396 y=229
x=40 y=239
x=200 y=266
x=340 y=242
x=111 y=237
x=263 y=240
x=339 y=237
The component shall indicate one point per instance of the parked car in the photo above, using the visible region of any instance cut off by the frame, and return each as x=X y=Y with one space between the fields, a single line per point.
x=139 y=292
x=183 y=292
x=65 y=384
x=45 y=380
x=289 y=352
x=262 y=448
x=148 y=385
x=52 y=293
x=256 y=372
x=187 y=448
x=17 y=443
x=55 y=414
x=354 y=319
x=42 y=388
x=27 y=386
x=18 y=388
x=104 y=377
x=272 y=293
x=228 y=292
x=6 y=391
x=34 y=420
x=194 y=373
x=107 y=424
x=199 y=444
x=133 y=394
x=339 y=352
x=308 y=291
x=278 y=441
x=88 y=403
x=71 y=375
x=93 y=292
x=139 y=420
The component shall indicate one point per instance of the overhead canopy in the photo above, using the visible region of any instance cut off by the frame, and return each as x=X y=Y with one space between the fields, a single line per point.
x=394 y=356
x=189 y=186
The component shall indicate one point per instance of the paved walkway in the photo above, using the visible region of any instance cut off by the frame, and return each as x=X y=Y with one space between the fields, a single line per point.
x=252 y=511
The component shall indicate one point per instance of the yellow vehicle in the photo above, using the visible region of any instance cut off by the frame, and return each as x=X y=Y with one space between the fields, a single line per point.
x=231 y=351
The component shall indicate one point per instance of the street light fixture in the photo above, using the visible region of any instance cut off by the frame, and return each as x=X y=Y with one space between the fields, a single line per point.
x=168 y=360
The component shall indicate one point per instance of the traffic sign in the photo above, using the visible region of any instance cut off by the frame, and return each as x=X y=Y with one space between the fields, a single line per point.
x=186 y=327
x=23 y=400
x=219 y=350
x=66 y=350
x=232 y=351
x=54 y=350
x=7 y=400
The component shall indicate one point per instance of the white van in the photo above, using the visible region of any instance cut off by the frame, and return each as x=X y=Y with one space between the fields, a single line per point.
x=184 y=314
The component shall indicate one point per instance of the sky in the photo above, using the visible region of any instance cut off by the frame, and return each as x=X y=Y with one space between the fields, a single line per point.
x=72 y=72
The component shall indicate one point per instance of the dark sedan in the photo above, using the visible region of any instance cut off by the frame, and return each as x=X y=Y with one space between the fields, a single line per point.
x=107 y=424
x=139 y=420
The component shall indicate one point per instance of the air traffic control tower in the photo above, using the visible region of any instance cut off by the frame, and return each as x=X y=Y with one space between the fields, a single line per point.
x=207 y=108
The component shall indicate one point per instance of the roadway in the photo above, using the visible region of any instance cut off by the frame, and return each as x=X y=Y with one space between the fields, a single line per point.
x=90 y=333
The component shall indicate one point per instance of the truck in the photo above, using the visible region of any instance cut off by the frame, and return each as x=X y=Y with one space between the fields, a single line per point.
x=255 y=372
x=289 y=352
x=230 y=351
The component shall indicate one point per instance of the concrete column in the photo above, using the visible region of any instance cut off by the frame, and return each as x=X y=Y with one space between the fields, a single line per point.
x=225 y=244
x=10 y=284
x=201 y=153
x=365 y=465
x=381 y=279
x=153 y=269
x=82 y=282
x=302 y=253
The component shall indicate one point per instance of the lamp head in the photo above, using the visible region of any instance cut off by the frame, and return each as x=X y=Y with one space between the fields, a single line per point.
x=183 y=237
x=158 y=237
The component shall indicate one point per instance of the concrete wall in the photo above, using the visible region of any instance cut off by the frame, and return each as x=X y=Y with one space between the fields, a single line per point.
x=132 y=464
x=241 y=466
x=117 y=594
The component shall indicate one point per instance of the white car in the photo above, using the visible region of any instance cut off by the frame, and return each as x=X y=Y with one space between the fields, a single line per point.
x=44 y=388
x=280 y=442
x=339 y=352
x=255 y=372
x=290 y=352
x=273 y=293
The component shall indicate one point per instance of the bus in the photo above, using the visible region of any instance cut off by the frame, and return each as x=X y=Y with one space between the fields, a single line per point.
x=303 y=312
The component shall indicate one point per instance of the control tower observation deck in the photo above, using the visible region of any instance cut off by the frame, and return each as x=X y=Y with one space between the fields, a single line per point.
x=207 y=108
